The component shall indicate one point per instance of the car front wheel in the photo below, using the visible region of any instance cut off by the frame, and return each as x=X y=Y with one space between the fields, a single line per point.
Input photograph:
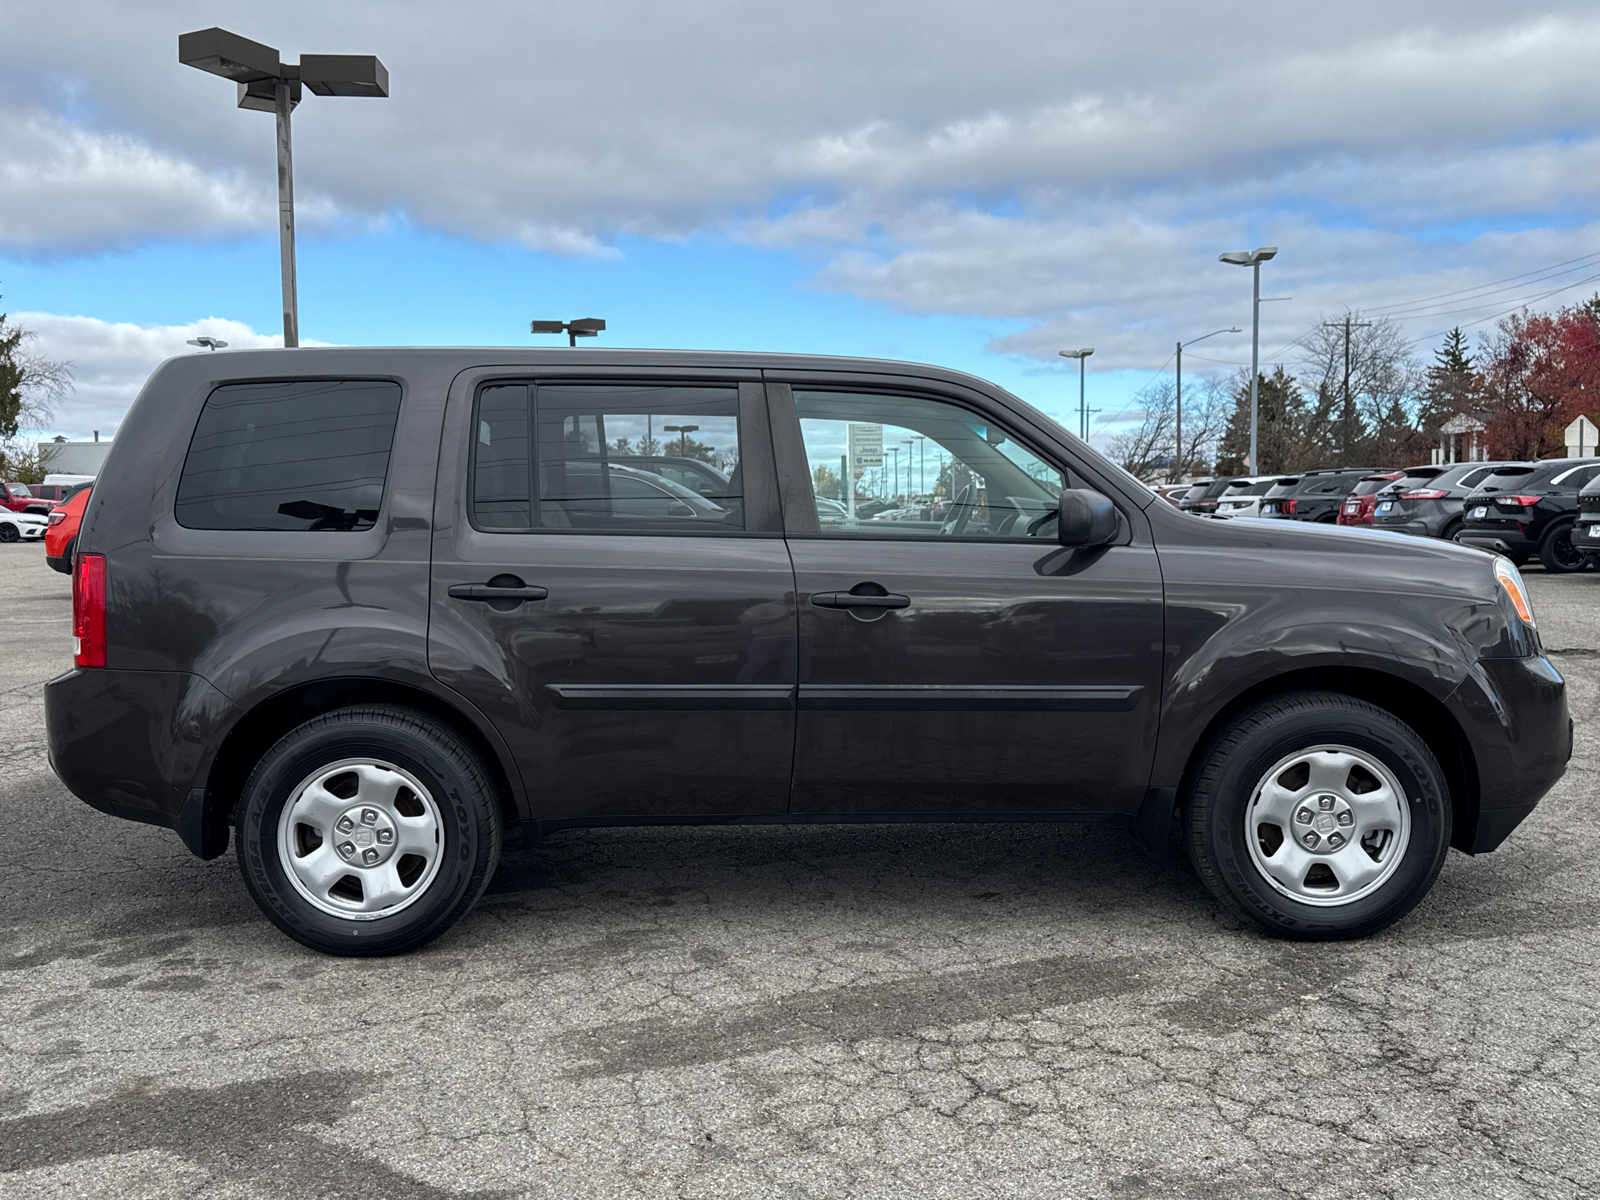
x=368 y=831
x=1319 y=816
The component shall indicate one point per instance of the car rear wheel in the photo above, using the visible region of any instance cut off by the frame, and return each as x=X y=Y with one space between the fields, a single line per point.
x=8 y=533
x=1319 y=816
x=1556 y=551
x=368 y=831
x=1451 y=529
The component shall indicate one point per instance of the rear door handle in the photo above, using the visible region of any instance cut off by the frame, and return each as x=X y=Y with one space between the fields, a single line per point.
x=851 y=600
x=483 y=591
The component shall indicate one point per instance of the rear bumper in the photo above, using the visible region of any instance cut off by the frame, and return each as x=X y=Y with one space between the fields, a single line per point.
x=1500 y=541
x=62 y=564
x=1514 y=713
x=1586 y=538
x=137 y=744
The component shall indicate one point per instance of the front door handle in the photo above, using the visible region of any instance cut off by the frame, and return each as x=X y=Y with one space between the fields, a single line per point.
x=486 y=591
x=853 y=600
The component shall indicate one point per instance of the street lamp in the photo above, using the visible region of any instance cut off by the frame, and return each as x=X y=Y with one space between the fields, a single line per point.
x=267 y=84
x=1083 y=411
x=582 y=327
x=208 y=343
x=922 y=462
x=683 y=442
x=1253 y=258
x=1177 y=440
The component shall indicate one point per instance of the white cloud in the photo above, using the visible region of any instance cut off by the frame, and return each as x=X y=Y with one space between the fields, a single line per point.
x=1070 y=165
x=112 y=360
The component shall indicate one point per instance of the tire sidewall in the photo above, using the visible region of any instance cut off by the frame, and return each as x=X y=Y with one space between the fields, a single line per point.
x=301 y=754
x=1548 y=557
x=1224 y=831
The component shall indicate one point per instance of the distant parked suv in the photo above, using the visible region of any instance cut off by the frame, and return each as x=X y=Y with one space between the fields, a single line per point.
x=1428 y=501
x=1311 y=496
x=1529 y=509
x=369 y=612
x=1205 y=494
x=1358 y=503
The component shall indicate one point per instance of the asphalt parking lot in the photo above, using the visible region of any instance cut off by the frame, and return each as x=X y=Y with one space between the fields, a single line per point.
x=937 y=1011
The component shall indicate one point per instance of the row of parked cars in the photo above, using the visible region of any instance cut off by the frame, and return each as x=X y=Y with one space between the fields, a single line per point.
x=49 y=511
x=1549 y=509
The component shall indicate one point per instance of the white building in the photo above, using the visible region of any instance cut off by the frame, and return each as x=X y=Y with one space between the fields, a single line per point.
x=1461 y=439
x=61 y=457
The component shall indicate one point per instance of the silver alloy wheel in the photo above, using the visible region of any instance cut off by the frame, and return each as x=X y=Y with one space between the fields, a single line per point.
x=1328 y=825
x=360 y=839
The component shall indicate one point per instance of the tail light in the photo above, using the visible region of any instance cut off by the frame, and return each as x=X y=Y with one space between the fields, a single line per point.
x=57 y=517
x=1429 y=494
x=1520 y=501
x=1287 y=506
x=89 y=611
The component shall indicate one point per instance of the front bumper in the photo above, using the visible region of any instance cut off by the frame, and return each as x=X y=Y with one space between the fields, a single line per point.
x=1514 y=713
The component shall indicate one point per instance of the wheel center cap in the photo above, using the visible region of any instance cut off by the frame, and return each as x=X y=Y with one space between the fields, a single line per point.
x=1324 y=824
x=364 y=836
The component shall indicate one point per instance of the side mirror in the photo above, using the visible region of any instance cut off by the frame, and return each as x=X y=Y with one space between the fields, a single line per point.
x=1086 y=518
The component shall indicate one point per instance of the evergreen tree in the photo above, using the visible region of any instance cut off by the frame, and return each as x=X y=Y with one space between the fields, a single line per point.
x=1281 y=432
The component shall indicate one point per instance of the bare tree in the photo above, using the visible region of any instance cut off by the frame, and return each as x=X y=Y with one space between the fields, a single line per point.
x=1385 y=388
x=30 y=385
x=1152 y=450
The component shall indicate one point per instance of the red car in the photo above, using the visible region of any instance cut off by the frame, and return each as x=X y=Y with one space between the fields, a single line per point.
x=1363 y=498
x=61 y=536
x=19 y=497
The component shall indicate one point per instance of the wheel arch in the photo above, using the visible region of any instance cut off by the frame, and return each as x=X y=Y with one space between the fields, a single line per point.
x=1404 y=700
x=267 y=721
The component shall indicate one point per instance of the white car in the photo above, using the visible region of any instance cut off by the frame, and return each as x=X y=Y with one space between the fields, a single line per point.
x=22 y=527
x=1243 y=499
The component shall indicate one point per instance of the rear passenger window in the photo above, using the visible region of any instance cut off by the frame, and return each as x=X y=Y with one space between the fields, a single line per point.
x=607 y=458
x=292 y=455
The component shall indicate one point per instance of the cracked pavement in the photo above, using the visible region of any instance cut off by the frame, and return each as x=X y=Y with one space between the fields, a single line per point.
x=862 y=1011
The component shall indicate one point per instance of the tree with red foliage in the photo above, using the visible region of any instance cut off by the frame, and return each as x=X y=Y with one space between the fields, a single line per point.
x=1539 y=372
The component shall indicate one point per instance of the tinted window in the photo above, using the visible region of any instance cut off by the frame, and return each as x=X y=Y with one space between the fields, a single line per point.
x=596 y=457
x=1576 y=477
x=293 y=455
x=1283 y=487
x=922 y=468
x=19 y=489
x=1366 y=487
x=1506 y=477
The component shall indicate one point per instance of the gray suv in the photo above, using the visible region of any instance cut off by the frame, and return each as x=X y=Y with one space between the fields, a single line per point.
x=368 y=614
x=1431 y=507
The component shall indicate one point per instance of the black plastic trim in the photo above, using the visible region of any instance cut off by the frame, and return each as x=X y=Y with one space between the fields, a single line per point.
x=918 y=697
x=707 y=697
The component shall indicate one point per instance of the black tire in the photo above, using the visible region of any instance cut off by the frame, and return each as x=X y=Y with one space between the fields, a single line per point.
x=8 y=533
x=1234 y=764
x=1556 y=552
x=1451 y=529
x=465 y=812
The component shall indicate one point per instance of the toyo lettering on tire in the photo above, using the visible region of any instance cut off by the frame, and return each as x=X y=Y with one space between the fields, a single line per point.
x=368 y=831
x=1318 y=816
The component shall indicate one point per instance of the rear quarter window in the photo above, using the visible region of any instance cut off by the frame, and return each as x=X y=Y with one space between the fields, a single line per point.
x=290 y=455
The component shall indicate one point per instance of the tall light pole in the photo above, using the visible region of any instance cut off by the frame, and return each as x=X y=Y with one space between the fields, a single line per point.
x=1253 y=258
x=922 y=462
x=1083 y=410
x=267 y=84
x=1177 y=441
x=894 y=467
x=683 y=441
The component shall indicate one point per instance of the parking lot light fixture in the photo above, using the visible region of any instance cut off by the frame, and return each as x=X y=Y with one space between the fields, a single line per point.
x=582 y=327
x=1083 y=408
x=683 y=441
x=1253 y=259
x=1177 y=440
x=268 y=84
x=208 y=343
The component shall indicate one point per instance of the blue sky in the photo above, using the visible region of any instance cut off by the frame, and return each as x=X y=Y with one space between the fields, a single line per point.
x=892 y=180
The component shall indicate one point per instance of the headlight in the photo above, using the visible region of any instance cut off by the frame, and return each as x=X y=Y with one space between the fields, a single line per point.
x=1510 y=581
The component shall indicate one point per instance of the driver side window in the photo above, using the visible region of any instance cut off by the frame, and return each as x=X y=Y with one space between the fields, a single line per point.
x=897 y=466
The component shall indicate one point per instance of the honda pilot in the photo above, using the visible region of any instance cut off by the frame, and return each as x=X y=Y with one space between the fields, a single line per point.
x=371 y=614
